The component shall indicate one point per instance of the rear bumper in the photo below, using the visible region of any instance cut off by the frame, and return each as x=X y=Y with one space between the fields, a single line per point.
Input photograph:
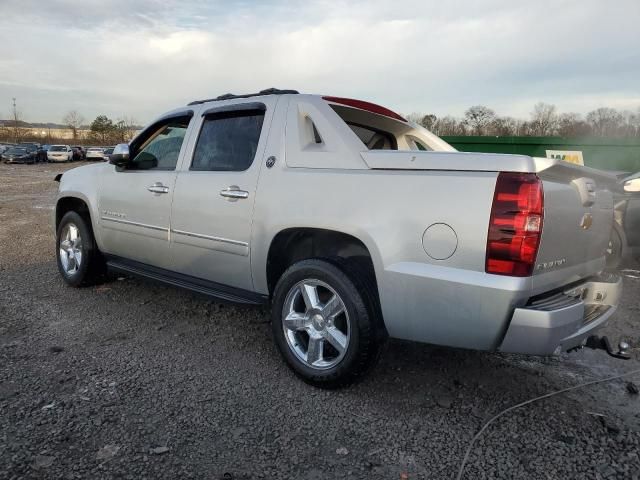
x=564 y=320
x=18 y=160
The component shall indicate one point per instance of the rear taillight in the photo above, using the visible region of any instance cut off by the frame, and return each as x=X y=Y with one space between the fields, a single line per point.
x=515 y=226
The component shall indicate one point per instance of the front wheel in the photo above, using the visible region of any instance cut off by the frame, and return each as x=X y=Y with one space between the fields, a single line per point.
x=323 y=325
x=79 y=260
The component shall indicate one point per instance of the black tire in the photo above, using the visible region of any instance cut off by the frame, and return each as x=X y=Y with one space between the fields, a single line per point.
x=92 y=266
x=615 y=251
x=364 y=343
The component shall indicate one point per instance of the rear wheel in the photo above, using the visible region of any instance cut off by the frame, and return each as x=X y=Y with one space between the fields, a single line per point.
x=323 y=325
x=79 y=260
x=614 y=251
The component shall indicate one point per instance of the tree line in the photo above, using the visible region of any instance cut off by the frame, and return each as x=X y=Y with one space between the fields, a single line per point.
x=101 y=131
x=544 y=121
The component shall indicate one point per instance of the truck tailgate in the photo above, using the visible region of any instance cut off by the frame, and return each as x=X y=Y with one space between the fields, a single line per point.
x=578 y=217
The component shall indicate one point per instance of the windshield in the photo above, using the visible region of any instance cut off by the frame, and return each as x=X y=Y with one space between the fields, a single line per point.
x=17 y=151
x=58 y=148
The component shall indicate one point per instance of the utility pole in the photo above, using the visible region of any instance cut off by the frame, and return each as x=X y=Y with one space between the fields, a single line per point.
x=15 y=121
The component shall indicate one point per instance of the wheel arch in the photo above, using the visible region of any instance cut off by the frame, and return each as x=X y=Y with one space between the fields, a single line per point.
x=72 y=203
x=343 y=249
x=299 y=243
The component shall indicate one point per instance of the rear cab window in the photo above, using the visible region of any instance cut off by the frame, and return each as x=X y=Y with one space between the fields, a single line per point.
x=381 y=129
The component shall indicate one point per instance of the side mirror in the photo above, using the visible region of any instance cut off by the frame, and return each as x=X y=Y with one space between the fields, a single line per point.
x=632 y=185
x=120 y=155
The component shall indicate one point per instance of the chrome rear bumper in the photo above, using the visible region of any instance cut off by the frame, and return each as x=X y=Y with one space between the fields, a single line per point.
x=564 y=320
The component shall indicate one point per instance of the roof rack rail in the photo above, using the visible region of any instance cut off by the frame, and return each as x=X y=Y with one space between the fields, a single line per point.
x=229 y=96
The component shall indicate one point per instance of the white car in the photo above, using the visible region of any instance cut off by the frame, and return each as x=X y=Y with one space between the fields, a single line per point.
x=60 y=153
x=95 y=153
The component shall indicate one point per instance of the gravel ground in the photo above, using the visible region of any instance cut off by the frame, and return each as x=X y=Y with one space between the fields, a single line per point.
x=135 y=380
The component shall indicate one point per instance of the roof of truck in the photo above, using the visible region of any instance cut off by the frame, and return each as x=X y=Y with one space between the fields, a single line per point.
x=349 y=102
x=229 y=96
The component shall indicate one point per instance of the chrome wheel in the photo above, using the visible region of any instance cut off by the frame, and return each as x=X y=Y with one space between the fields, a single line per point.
x=316 y=324
x=70 y=250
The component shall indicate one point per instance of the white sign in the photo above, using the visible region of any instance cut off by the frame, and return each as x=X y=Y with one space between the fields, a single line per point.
x=571 y=156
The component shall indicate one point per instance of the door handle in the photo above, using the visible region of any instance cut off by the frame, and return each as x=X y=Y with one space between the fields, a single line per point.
x=233 y=193
x=158 y=188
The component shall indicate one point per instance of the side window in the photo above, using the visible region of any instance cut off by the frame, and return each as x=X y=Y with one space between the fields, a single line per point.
x=228 y=141
x=161 y=148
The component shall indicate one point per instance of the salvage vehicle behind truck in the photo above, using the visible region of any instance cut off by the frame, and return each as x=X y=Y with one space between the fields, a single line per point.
x=353 y=223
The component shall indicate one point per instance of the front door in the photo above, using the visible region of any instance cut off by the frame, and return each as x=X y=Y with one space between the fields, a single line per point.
x=135 y=202
x=215 y=191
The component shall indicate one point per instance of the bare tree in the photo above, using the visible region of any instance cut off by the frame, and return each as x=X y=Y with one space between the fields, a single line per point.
x=572 y=125
x=449 y=126
x=479 y=118
x=429 y=121
x=630 y=123
x=414 y=117
x=504 y=126
x=74 y=121
x=604 y=121
x=544 y=119
x=127 y=127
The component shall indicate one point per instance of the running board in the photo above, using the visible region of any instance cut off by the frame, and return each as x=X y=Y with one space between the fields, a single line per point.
x=218 y=291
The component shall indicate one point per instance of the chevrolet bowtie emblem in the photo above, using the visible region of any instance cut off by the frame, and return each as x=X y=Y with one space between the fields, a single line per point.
x=587 y=221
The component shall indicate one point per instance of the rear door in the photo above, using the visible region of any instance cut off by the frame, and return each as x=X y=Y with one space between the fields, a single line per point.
x=135 y=202
x=215 y=192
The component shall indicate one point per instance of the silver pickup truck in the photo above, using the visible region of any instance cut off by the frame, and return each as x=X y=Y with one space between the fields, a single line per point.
x=353 y=223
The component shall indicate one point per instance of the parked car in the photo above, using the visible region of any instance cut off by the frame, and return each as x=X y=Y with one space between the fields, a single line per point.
x=45 y=149
x=107 y=153
x=95 y=153
x=19 y=155
x=39 y=153
x=625 y=236
x=60 y=153
x=353 y=223
x=81 y=151
x=77 y=154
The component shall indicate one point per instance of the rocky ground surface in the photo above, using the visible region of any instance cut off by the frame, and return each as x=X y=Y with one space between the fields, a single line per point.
x=134 y=380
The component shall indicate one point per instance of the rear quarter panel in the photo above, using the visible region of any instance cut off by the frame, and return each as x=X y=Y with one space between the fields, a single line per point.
x=450 y=302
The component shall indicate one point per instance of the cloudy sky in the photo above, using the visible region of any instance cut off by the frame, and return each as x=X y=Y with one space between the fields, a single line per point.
x=137 y=58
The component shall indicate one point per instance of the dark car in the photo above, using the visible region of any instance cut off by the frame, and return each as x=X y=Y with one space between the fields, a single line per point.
x=45 y=149
x=107 y=153
x=625 y=237
x=77 y=156
x=40 y=153
x=81 y=151
x=19 y=155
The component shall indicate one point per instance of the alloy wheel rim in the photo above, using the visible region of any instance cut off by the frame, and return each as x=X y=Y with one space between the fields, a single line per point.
x=316 y=324
x=70 y=249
